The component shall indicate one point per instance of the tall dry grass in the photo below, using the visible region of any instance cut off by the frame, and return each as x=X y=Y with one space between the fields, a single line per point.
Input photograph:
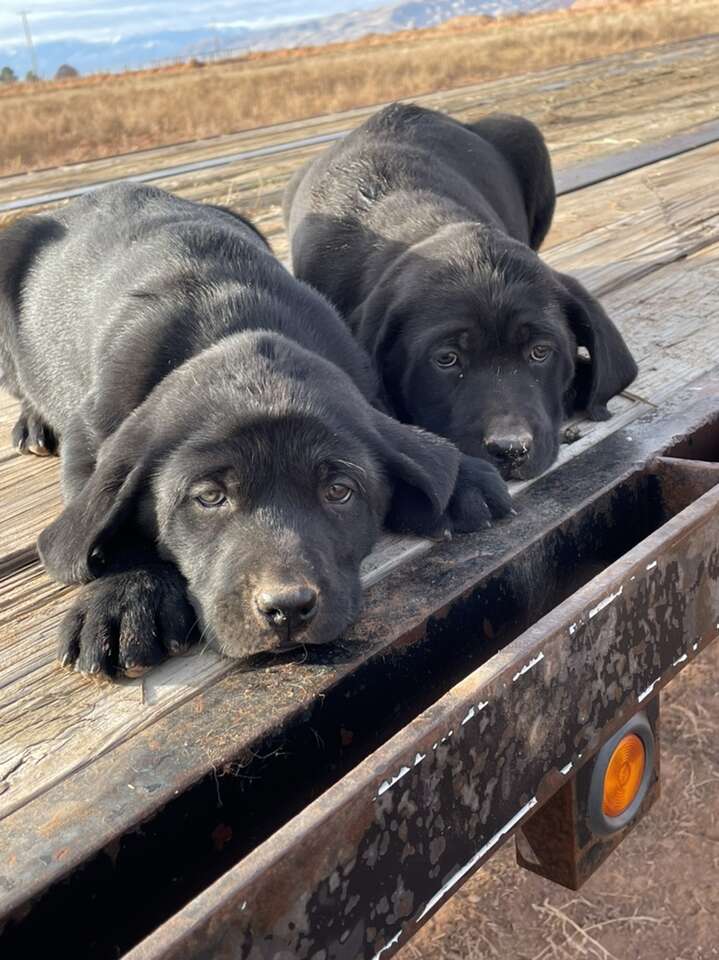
x=50 y=124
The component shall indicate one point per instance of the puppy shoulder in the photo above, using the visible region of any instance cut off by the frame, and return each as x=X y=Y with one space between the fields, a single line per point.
x=20 y=246
x=250 y=231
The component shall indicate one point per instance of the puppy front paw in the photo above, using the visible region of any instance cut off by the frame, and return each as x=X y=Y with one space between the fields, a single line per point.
x=32 y=435
x=124 y=623
x=480 y=495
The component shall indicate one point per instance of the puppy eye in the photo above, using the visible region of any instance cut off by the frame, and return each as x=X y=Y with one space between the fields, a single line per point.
x=211 y=497
x=338 y=493
x=446 y=359
x=540 y=352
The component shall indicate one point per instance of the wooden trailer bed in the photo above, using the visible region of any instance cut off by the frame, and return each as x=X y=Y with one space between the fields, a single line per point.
x=81 y=764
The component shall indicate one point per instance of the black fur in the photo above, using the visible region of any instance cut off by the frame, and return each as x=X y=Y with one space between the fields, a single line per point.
x=212 y=412
x=422 y=231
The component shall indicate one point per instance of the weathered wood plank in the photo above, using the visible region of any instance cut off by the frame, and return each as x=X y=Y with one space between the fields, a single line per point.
x=29 y=500
x=9 y=410
x=671 y=319
x=620 y=108
x=638 y=223
x=623 y=238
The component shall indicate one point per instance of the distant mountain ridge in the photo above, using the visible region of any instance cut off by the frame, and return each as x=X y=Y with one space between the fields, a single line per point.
x=413 y=14
x=143 y=49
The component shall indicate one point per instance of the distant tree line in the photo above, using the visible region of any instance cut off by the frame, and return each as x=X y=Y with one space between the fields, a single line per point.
x=8 y=75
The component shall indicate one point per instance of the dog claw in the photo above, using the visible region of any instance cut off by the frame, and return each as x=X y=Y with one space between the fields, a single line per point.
x=39 y=450
x=135 y=670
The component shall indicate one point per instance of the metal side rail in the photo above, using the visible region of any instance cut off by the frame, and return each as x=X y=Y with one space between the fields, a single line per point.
x=358 y=871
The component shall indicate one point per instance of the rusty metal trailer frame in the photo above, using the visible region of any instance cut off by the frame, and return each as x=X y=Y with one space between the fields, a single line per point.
x=356 y=873
x=519 y=654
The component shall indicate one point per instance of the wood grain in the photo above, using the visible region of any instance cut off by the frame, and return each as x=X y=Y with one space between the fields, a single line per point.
x=633 y=225
x=648 y=241
x=55 y=722
x=585 y=110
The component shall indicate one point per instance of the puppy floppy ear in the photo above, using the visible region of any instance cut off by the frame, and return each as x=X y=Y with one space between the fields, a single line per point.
x=377 y=324
x=610 y=367
x=71 y=547
x=422 y=468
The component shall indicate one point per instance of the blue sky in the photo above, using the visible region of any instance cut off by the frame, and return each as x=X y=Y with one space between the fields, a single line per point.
x=94 y=35
x=54 y=20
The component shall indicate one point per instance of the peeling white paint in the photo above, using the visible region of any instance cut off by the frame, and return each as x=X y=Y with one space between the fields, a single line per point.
x=572 y=629
x=386 y=784
x=528 y=666
x=680 y=660
x=473 y=711
x=643 y=696
x=565 y=770
x=456 y=877
x=443 y=740
x=652 y=565
x=387 y=945
x=605 y=602
x=695 y=646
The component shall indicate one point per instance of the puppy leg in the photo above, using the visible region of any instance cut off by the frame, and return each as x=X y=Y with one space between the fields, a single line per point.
x=480 y=494
x=79 y=449
x=127 y=621
x=32 y=435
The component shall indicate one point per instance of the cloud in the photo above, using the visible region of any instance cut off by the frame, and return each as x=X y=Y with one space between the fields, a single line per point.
x=89 y=21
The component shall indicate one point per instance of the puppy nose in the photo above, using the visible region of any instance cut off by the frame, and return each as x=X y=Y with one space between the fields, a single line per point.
x=288 y=608
x=511 y=447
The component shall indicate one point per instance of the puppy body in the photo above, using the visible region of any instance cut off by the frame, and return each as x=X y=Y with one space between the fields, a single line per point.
x=216 y=431
x=128 y=283
x=423 y=232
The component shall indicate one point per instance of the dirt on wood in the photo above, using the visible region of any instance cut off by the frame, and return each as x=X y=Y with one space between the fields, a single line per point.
x=656 y=898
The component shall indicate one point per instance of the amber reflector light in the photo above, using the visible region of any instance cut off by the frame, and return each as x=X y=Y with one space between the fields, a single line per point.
x=624 y=775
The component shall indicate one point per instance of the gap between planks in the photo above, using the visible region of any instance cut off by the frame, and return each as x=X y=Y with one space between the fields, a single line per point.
x=643 y=221
x=625 y=246
x=55 y=722
x=622 y=91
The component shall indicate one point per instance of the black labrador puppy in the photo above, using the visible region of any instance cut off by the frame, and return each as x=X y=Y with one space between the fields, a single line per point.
x=220 y=451
x=422 y=231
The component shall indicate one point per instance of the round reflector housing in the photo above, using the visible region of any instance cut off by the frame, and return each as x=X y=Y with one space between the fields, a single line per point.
x=621 y=776
x=624 y=774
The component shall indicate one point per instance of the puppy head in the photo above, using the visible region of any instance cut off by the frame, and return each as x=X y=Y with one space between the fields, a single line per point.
x=265 y=476
x=476 y=339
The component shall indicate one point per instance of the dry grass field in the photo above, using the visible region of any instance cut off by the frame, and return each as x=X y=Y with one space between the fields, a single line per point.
x=50 y=124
